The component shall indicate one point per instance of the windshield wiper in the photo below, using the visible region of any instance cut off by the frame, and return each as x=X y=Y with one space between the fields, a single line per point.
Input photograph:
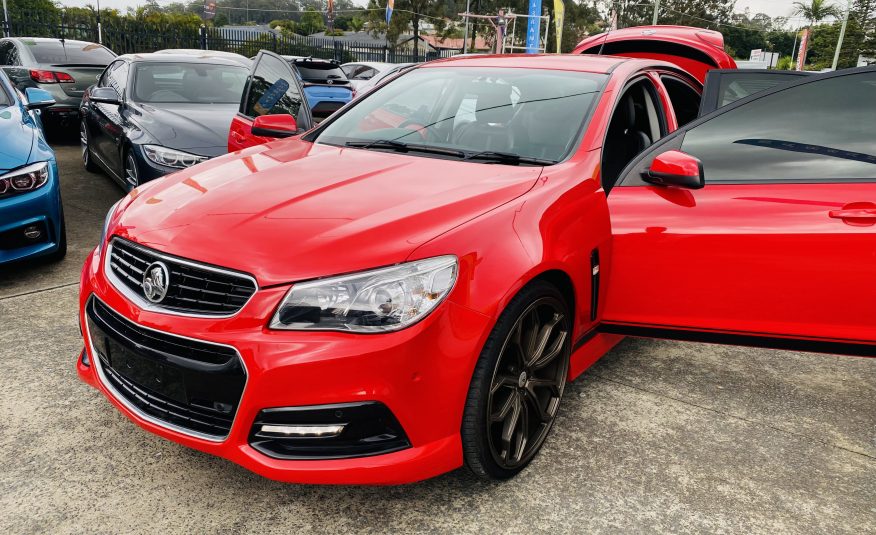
x=399 y=146
x=506 y=158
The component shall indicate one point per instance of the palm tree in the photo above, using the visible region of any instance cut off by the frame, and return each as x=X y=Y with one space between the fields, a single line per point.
x=815 y=11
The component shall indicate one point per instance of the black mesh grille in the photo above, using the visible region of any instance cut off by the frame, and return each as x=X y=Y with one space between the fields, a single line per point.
x=191 y=289
x=193 y=385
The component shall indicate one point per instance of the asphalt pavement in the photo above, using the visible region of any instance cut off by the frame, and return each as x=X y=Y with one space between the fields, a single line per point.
x=657 y=437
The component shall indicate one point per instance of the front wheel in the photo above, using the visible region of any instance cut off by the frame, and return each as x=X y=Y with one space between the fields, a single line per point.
x=130 y=171
x=87 y=161
x=518 y=383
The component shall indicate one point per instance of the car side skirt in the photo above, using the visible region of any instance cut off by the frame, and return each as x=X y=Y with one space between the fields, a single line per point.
x=763 y=340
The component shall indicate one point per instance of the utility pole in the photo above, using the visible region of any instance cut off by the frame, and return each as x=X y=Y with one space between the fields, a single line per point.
x=464 y=34
x=656 y=10
x=839 y=43
x=99 y=29
x=6 y=29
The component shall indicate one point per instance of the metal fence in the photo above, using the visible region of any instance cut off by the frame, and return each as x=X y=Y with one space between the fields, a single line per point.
x=127 y=36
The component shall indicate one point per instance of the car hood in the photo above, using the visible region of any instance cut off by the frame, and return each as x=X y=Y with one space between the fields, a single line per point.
x=199 y=128
x=291 y=210
x=18 y=137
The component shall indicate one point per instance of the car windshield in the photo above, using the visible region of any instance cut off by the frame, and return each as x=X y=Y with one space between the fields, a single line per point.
x=509 y=114
x=196 y=83
x=64 y=52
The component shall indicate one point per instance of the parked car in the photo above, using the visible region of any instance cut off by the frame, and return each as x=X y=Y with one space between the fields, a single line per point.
x=372 y=82
x=31 y=215
x=63 y=67
x=325 y=85
x=273 y=104
x=407 y=288
x=152 y=114
x=198 y=53
x=360 y=72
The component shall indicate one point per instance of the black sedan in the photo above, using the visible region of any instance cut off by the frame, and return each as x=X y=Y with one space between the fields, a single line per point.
x=151 y=114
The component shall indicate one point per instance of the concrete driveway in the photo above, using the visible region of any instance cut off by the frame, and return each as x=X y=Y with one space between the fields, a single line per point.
x=658 y=436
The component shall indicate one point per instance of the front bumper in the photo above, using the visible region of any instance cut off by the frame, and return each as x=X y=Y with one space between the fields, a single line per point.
x=41 y=207
x=420 y=374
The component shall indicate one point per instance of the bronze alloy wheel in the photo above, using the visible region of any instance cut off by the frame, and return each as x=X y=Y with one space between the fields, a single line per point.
x=527 y=383
x=518 y=382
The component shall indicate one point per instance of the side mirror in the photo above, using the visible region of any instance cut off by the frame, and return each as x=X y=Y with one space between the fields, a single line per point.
x=105 y=95
x=278 y=125
x=676 y=168
x=38 y=99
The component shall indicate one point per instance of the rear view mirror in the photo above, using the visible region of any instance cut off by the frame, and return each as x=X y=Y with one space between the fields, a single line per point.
x=38 y=99
x=105 y=95
x=676 y=168
x=279 y=125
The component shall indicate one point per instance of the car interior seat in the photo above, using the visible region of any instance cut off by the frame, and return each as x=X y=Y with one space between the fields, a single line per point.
x=493 y=111
x=626 y=136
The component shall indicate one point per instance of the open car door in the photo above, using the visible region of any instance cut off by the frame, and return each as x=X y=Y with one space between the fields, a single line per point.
x=694 y=50
x=726 y=86
x=272 y=89
x=755 y=225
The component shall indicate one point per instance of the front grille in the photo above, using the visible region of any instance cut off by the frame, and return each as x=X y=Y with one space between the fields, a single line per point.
x=192 y=288
x=188 y=385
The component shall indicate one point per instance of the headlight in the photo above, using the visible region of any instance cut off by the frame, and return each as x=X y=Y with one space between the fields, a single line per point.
x=106 y=222
x=171 y=157
x=27 y=178
x=381 y=300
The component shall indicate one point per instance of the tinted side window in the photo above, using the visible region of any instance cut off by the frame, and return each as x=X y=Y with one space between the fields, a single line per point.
x=117 y=77
x=5 y=52
x=818 y=131
x=685 y=99
x=272 y=89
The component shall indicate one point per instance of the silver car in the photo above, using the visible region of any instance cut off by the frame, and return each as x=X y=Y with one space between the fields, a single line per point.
x=63 y=67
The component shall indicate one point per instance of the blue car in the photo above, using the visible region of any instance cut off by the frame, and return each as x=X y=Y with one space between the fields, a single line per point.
x=31 y=217
x=325 y=85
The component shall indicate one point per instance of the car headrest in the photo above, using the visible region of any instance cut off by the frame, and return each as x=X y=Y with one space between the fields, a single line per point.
x=494 y=103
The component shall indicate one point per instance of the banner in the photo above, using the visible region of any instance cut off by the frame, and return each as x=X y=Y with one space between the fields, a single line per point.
x=390 y=4
x=804 y=44
x=330 y=14
x=533 y=28
x=559 y=15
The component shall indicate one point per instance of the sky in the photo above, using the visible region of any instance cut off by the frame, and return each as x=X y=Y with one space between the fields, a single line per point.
x=773 y=8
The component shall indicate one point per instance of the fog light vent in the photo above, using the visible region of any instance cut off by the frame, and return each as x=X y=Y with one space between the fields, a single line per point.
x=33 y=232
x=327 y=431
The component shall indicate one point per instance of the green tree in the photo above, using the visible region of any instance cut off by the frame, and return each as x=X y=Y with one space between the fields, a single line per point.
x=311 y=22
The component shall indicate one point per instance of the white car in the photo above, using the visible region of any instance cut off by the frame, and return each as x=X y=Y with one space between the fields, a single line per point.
x=364 y=75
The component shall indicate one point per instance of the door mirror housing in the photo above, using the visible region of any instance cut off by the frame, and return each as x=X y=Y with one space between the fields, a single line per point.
x=105 y=95
x=278 y=125
x=38 y=99
x=676 y=168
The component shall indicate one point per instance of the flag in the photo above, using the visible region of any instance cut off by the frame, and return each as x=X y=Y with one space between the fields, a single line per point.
x=533 y=27
x=559 y=15
x=389 y=5
x=330 y=14
x=804 y=44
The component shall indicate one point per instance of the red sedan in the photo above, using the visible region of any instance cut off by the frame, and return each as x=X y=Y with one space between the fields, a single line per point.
x=408 y=287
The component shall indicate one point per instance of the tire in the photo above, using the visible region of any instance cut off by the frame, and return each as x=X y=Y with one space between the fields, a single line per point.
x=130 y=172
x=503 y=379
x=87 y=158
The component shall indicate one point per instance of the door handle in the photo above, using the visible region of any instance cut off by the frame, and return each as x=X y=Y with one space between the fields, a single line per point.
x=856 y=214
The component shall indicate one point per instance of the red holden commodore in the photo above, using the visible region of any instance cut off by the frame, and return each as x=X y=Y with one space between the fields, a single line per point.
x=408 y=287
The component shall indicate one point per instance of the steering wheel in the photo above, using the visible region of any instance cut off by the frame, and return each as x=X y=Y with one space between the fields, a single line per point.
x=414 y=125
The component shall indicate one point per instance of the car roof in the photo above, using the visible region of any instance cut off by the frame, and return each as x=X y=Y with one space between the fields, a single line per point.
x=568 y=62
x=183 y=58
x=51 y=40
x=373 y=64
